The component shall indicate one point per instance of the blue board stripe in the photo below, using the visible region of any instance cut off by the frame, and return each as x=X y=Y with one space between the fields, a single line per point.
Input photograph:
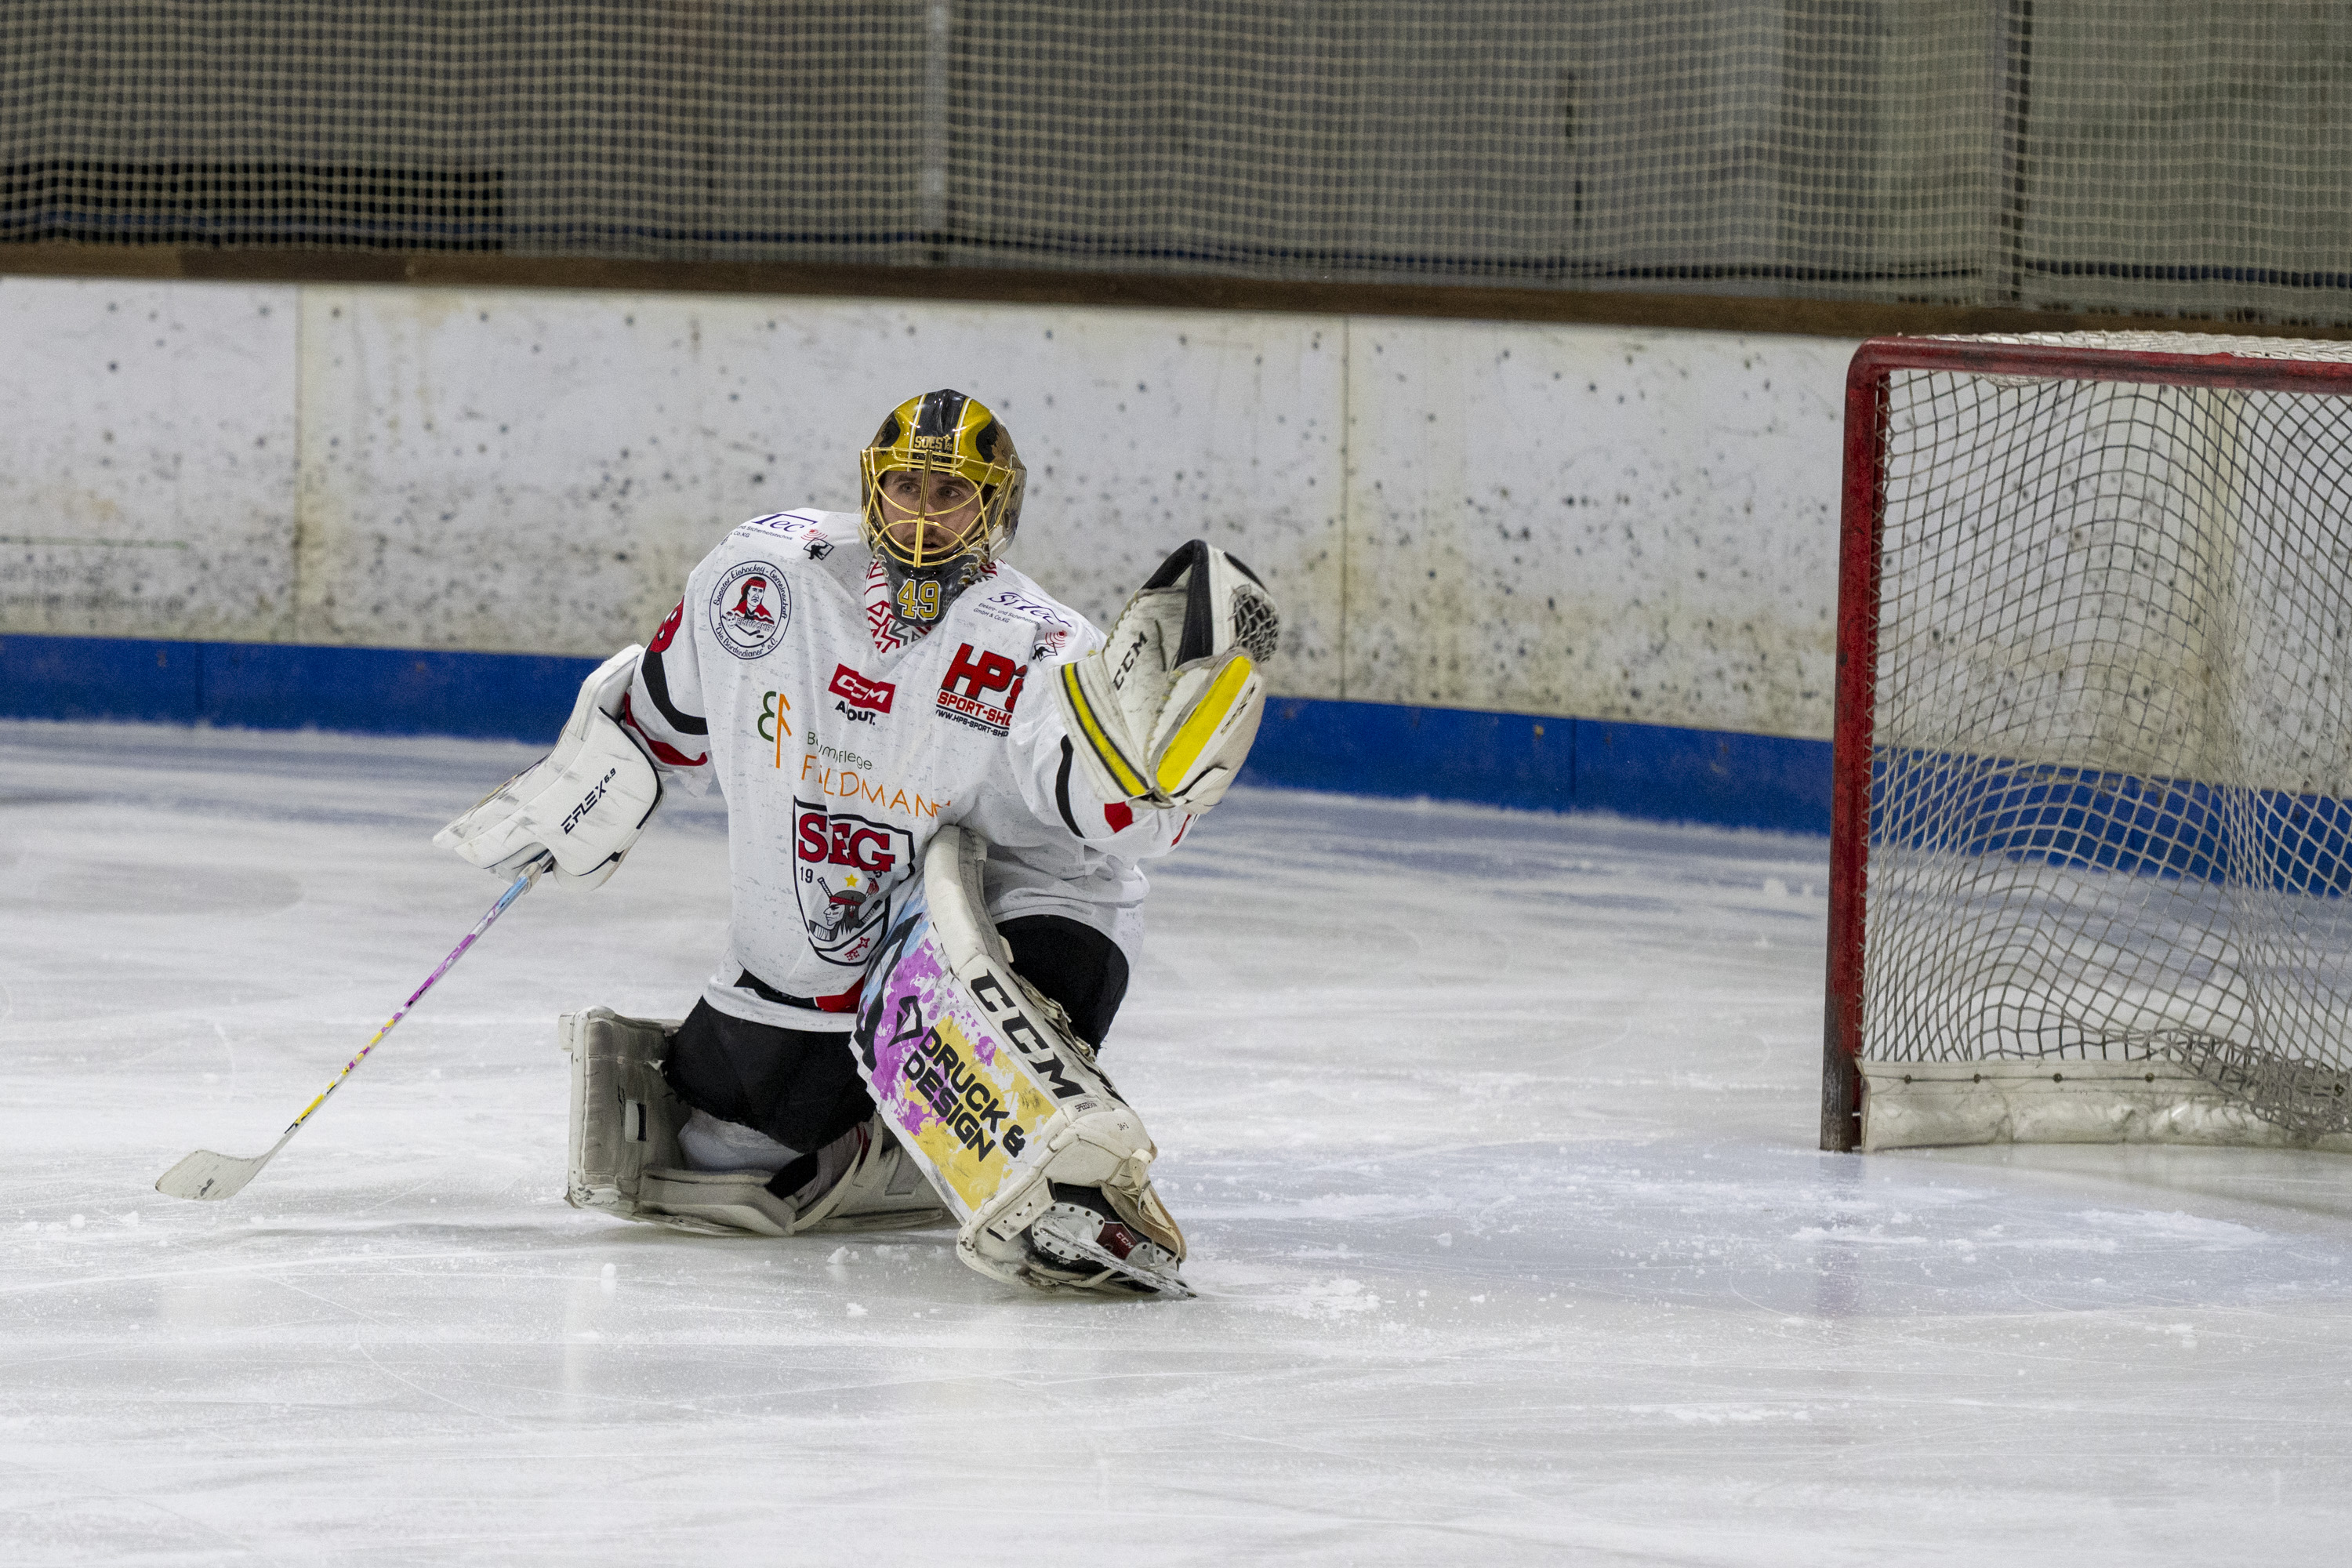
x=1526 y=761
x=1542 y=764
x=101 y=677
x=2289 y=841
x=390 y=691
x=288 y=686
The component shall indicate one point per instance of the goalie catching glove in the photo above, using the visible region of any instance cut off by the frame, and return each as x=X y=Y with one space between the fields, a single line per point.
x=1166 y=711
x=584 y=803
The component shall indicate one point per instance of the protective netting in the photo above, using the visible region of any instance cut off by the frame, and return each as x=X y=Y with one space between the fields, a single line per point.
x=2102 y=155
x=2111 y=790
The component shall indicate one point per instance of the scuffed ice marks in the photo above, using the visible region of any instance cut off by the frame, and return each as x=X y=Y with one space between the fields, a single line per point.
x=1779 y=1232
x=136 y=888
x=1491 y=1134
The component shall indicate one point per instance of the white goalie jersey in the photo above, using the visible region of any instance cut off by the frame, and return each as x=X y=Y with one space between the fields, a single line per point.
x=842 y=750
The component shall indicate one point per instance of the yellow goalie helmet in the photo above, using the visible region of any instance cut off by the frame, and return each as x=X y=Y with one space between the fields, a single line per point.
x=939 y=496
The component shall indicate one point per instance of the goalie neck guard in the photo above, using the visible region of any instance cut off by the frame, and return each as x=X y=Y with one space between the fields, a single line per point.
x=1046 y=1171
x=932 y=555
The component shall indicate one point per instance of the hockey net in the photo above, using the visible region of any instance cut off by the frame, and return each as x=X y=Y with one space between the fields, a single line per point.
x=2093 y=834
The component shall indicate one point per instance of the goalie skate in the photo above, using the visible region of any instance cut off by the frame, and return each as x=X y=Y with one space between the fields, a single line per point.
x=1046 y=1171
x=1081 y=1236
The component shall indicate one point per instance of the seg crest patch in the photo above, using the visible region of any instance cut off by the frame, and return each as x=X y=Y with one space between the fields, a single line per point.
x=846 y=867
x=749 y=609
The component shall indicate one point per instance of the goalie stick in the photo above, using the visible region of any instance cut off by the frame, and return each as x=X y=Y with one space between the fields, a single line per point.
x=211 y=1177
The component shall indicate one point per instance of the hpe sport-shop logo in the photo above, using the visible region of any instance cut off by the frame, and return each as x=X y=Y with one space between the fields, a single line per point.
x=861 y=696
x=973 y=678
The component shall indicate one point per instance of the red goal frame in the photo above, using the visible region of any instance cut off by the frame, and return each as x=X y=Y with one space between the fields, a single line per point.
x=1862 y=520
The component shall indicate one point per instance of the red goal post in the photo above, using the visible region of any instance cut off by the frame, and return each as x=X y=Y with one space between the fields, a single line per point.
x=2081 y=544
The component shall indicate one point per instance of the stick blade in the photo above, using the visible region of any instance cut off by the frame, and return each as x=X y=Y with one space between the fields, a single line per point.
x=210 y=1177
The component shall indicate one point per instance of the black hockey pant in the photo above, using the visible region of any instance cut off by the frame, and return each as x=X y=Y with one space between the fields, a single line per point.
x=801 y=1086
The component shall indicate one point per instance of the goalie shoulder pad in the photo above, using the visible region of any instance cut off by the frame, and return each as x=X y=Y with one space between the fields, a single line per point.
x=584 y=803
x=1167 y=710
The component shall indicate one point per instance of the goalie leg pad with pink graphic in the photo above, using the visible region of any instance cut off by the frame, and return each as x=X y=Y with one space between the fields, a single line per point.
x=1046 y=1169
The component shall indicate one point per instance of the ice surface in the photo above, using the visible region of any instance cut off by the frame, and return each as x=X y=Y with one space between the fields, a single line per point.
x=1492 y=1135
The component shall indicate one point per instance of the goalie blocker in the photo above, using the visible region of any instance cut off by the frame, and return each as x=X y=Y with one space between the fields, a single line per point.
x=1046 y=1169
x=582 y=805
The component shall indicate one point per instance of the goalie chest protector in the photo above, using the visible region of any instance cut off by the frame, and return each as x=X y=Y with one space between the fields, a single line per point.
x=839 y=758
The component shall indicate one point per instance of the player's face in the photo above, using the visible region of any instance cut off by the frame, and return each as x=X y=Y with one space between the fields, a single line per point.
x=927 y=512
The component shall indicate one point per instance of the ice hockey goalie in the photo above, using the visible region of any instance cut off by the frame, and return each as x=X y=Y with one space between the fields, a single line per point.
x=942 y=788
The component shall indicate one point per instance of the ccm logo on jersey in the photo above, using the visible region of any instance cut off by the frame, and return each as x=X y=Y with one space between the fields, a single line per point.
x=972 y=679
x=857 y=692
x=589 y=805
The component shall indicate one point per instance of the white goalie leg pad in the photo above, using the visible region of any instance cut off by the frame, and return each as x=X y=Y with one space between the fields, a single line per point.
x=1166 y=711
x=713 y=1203
x=881 y=1187
x=626 y=1157
x=584 y=803
x=625 y=1117
x=864 y=1182
x=1046 y=1171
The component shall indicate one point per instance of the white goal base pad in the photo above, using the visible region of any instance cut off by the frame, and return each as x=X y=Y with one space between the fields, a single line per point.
x=1923 y=1105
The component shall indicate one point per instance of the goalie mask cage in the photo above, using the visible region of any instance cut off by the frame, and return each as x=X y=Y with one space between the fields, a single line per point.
x=2092 y=838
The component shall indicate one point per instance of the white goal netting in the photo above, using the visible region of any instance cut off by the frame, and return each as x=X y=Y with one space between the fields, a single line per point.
x=2110 y=817
x=2099 y=155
